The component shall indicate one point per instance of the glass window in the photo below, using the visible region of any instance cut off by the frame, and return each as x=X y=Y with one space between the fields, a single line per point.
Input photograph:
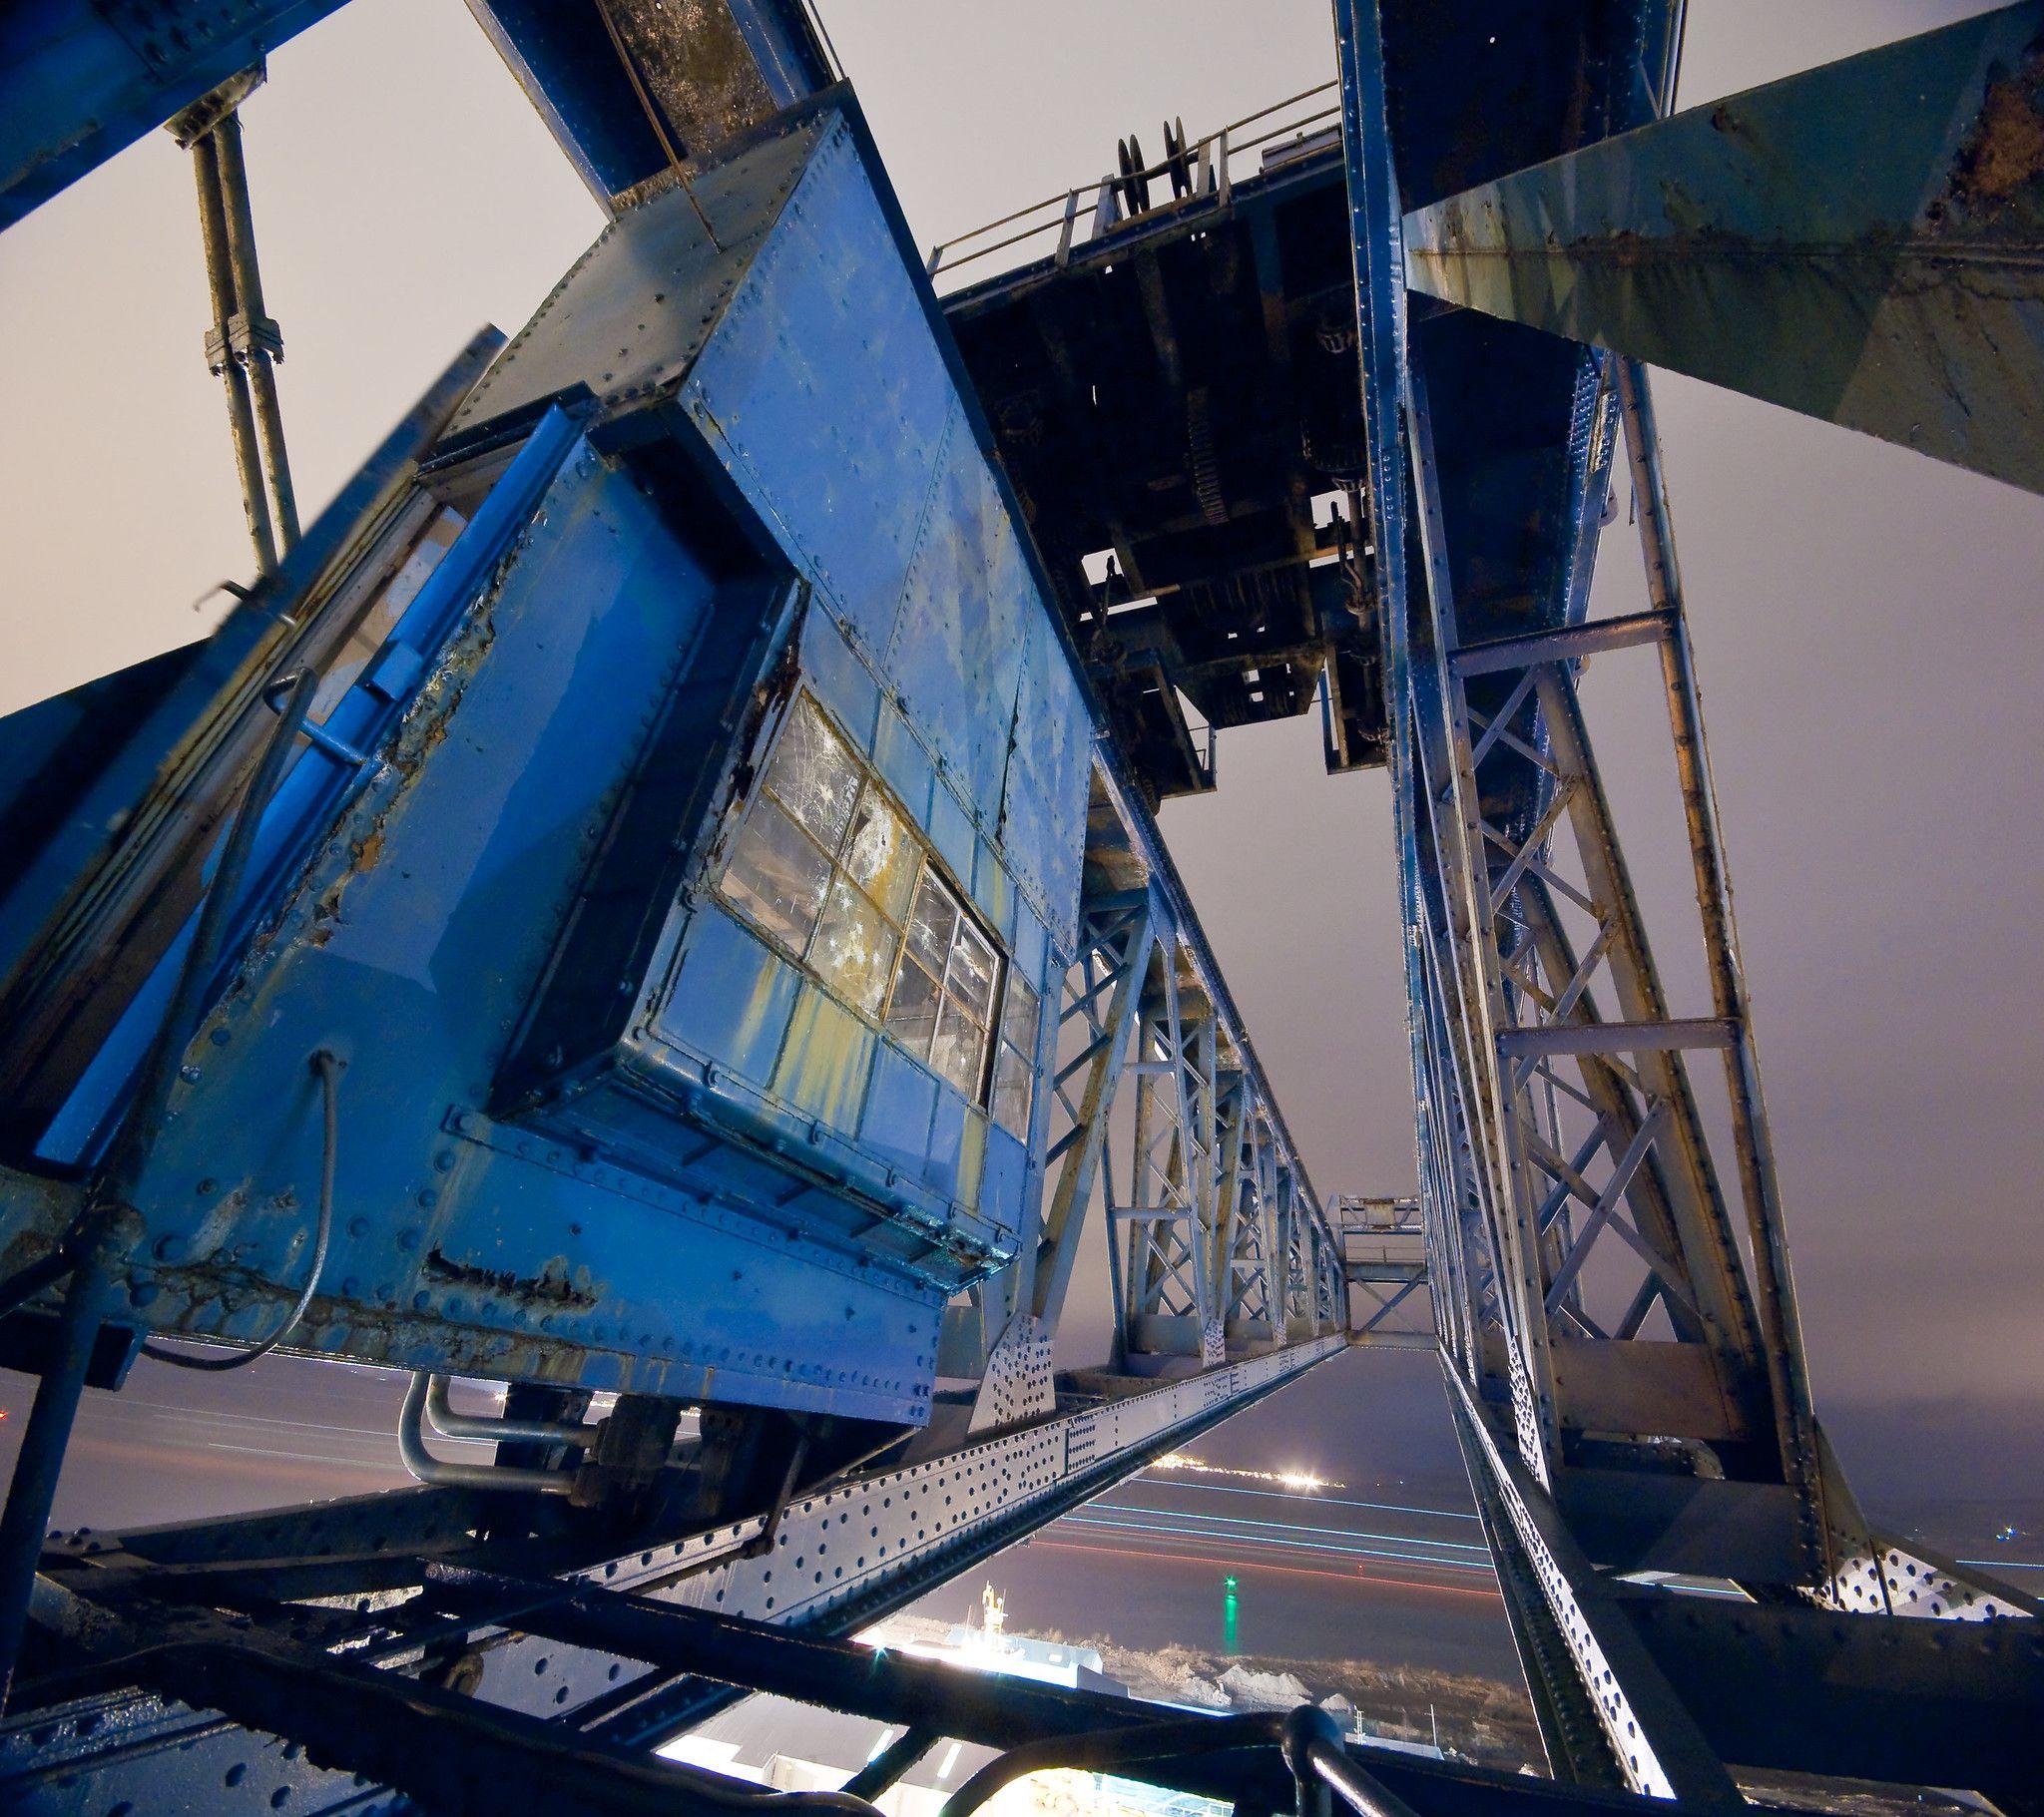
x=1013 y=1077
x=1015 y=1065
x=824 y=863
x=971 y=977
x=933 y=924
x=959 y=1048
x=944 y=991
x=1019 y=1017
x=912 y=1015
x=854 y=951
x=777 y=874
x=881 y=856
x=814 y=777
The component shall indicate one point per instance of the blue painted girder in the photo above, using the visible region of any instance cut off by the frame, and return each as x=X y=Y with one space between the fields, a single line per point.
x=1521 y=422
x=707 y=72
x=1863 y=242
x=596 y=1128
x=79 y=82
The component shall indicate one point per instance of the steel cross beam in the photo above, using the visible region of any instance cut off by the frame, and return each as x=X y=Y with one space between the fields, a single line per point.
x=80 y=80
x=1611 y=1295
x=1860 y=243
x=1383 y=1262
x=837 y=1556
x=387 y=1732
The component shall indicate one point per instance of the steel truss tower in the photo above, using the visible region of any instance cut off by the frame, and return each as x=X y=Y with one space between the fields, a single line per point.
x=1614 y=1304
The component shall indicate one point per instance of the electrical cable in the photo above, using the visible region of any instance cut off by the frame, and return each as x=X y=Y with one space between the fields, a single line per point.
x=327 y=1065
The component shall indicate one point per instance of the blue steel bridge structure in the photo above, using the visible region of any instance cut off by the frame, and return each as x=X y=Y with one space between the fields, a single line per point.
x=654 y=893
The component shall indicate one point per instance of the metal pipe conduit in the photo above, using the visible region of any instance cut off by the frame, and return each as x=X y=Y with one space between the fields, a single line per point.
x=261 y=346
x=1308 y=1736
x=441 y=1473
x=212 y=227
x=453 y=1425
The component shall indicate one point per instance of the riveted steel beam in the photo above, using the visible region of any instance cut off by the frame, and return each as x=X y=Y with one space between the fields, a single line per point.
x=79 y=82
x=1863 y=242
x=837 y=1556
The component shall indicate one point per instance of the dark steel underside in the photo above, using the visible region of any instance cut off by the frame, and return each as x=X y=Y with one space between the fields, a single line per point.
x=1177 y=395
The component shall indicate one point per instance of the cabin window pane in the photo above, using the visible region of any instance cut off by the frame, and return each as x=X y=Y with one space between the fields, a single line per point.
x=912 y=1016
x=825 y=863
x=971 y=977
x=854 y=949
x=1018 y=1018
x=882 y=856
x=960 y=1048
x=815 y=778
x=933 y=924
x=1013 y=1079
x=944 y=944
x=1016 y=1066
x=776 y=876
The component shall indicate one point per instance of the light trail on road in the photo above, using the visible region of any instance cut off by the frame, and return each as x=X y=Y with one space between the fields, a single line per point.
x=1250 y=1541
x=1292 y=1495
x=1346 y=1532
x=1358 y=1579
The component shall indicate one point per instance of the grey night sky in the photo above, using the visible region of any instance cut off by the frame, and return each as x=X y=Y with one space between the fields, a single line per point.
x=1865 y=620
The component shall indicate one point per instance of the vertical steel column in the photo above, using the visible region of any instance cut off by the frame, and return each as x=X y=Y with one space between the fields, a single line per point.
x=1262 y=1253
x=1115 y=942
x=1473 y=902
x=33 y=1486
x=1780 y=1325
x=213 y=234
x=1458 y=1254
x=259 y=345
x=1168 y=1217
x=1457 y=997
x=1297 y=1309
x=1231 y=1117
x=1204 y=1170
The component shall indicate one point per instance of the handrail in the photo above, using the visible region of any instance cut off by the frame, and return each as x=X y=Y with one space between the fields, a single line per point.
x=1101 y=1750
x=1308 y=1738
x=1321 y=1764
x=1065 y=202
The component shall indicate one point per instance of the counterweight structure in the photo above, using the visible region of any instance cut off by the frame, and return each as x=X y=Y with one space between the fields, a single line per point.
x=655 y=893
